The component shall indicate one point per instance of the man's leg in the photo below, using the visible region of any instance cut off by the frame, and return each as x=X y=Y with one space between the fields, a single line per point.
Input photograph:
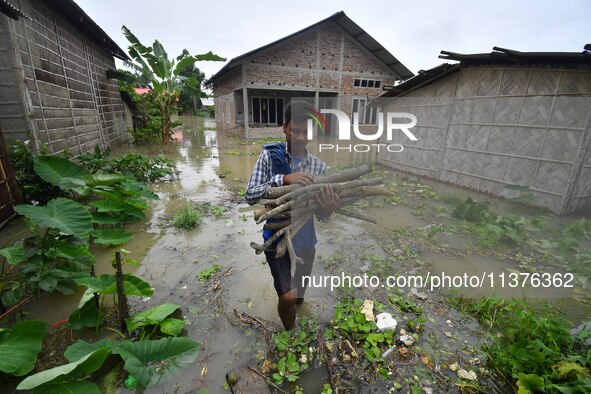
x=281 y=271
x=307 y=256
x=287 y=310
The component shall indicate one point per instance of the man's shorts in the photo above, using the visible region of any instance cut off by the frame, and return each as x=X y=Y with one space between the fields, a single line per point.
x=281 y=269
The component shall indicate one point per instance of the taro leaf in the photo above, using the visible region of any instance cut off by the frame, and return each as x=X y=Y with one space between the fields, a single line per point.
x=105 y=284
x=20 y=346
x=76 y=254
x=154 y=361
x=82 y=387
x=81 y=348
x=77 y=369
x=14 y=254
x=109 y=205
x=111 y=236
x=151 y=316
x=62 y=172
x=172 y=326
x=87 y=314
x=66 y=215
x=104 y=218
x=100 y=179
x=138 y=189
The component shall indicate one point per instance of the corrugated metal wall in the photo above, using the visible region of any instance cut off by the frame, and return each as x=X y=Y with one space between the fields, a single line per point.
x=491 y=126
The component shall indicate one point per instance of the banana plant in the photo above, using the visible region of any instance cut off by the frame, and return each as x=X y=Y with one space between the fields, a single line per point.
x=160 y=73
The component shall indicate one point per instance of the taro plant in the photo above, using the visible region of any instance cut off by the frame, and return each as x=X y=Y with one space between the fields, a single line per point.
x=159 y=320
x=150 y=362
x=90 y=308
x=20 y=346
x=162 y=74
x=31 y=186
x=56 y=253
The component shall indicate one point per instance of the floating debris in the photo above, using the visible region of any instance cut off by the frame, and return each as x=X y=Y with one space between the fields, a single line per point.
x=407 y=340
x=385 y=321
x=467 y=375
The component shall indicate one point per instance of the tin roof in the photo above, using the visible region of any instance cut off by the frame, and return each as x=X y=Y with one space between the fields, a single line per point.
x=497 y=56
x=75 y=15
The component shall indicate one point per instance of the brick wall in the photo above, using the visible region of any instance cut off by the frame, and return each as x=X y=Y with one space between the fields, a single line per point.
x=323 y=59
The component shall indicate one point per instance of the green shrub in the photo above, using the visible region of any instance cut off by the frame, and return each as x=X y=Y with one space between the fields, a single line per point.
x=31 y=186
x=533 y=349
x=143 y=168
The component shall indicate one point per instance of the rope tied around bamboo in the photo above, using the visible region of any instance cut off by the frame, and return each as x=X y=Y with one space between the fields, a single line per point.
x=292 y=206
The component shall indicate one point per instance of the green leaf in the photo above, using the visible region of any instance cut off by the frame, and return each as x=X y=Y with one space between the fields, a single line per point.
x=138 y=189
x=104 y=218
x=82 y=387
x=81 y=348
x=87 y=314
x=172 y=326
x=121 y=76
x=135 y=42
x=105 y=284
x=101 y=179
x=62 y=173
x=530 y=383
x=109 y=205
x=20 y=346
x=61 y=213
x=78 y=369
x=163 y=64
x=210 y=56
x=151 y=316
x=111 y=236
x=14 y=255
x=153 y=361
x=183 y=64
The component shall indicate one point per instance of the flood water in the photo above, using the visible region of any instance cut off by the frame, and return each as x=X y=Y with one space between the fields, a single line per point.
x=212 y=167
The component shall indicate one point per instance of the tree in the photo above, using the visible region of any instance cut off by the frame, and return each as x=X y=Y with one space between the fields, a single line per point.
x=190 y=98
x=162 y=74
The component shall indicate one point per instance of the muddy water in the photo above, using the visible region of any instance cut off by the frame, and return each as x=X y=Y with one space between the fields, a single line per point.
x=213 y=167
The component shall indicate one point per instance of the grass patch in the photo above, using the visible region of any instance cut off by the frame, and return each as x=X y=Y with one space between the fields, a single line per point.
x=188 y=218
x=209 y=272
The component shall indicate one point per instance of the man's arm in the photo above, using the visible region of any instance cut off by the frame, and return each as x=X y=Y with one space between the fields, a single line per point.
x=261 y=179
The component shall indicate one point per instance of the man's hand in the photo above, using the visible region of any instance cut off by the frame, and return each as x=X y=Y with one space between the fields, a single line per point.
x=303 y=178
x=329 y=201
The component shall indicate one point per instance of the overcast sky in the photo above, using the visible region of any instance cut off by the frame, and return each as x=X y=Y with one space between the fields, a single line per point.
x=413 y=31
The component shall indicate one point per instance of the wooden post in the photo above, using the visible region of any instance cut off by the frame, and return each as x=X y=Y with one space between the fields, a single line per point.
x=96 y=295
x=122 y=300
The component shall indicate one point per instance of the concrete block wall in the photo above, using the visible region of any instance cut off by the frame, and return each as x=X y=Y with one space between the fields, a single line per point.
x=488 y=127
x=73 y=104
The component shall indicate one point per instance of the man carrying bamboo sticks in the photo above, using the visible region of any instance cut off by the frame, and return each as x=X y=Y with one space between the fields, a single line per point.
x=289 y=163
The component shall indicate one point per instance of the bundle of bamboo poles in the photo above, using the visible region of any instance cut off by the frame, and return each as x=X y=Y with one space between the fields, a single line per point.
x=293 y=205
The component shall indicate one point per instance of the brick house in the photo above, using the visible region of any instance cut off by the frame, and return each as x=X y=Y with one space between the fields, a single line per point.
x=333 y=62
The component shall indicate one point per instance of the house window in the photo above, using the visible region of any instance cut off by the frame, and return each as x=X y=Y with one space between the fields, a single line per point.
x=367 y=83
x=267 y=110
x=367 y=115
